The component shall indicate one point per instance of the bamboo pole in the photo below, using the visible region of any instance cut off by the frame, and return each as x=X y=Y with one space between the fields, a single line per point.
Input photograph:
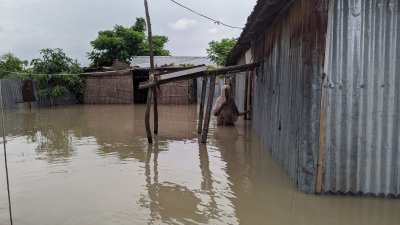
x=147 y=117
x=230 y=69
x=202 y=99
x=155 y=110
x=246 y=92
x=151 y=79
x=322 y=120
x=208 y=110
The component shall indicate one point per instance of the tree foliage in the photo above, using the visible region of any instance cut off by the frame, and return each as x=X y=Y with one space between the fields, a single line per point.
x=218 y=51
x=123 y=43
x=9 y=63
x=55 y=61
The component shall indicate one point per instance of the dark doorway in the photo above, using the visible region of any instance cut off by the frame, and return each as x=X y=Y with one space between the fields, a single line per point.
x=28 y=92
x=139 y=76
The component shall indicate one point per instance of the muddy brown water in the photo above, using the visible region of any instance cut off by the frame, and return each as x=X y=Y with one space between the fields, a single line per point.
x=92 y=165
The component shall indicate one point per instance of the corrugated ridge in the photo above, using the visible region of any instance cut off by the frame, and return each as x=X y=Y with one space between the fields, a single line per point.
x=362 y=136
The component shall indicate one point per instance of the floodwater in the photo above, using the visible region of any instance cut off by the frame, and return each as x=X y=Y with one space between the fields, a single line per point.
x=92 y=165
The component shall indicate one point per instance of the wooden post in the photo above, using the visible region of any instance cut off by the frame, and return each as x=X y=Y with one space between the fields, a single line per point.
x=147 y=116
x=151 y=78
x=155 y=111
x=246 y=90
x=202 y=99
x=322 y=120
x=208 y=110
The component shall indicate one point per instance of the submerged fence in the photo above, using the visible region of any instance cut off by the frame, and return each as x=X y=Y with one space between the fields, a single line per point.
x=12 y=95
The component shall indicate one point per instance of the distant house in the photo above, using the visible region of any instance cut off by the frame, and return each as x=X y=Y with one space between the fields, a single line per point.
x=159 y=61
x=326 y=98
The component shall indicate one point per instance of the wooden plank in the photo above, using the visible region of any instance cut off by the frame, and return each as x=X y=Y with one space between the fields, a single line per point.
x=322 y=127
x=181 y=73
x=230 y=69
x=234 y=69
x=208 y=110
x=202 y=99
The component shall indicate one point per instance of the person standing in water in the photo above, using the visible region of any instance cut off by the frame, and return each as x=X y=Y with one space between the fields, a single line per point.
x=226 y=110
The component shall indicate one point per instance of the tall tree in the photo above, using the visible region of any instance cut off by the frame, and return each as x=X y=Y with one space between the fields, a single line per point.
x=218 y=51
x=9 y=63
x=123 y=43
x=55 y=61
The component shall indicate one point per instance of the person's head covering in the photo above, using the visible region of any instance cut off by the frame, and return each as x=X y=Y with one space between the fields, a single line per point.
x=222 y=97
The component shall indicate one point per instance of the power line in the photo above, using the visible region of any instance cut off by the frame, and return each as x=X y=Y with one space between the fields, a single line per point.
x=202 y=15
x=41 y=74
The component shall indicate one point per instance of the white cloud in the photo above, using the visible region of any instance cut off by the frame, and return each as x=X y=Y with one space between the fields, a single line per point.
x=183 y=24
x=213 y=30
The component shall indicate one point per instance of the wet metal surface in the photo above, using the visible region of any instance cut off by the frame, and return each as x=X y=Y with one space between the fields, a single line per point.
x=363 y=106
x=92 y=165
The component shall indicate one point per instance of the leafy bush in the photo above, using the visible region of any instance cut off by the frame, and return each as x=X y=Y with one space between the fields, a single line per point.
x=52 y=72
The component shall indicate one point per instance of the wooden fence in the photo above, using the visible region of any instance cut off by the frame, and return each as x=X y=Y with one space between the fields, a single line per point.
x=112 y=87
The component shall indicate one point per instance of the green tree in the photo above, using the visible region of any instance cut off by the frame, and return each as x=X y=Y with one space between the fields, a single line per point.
x=123 y=43
x=48 y=74
x=218 y=51
x=9 y=63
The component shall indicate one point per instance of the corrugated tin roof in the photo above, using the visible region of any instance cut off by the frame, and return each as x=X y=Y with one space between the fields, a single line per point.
x=259 y=20
x=144 y=61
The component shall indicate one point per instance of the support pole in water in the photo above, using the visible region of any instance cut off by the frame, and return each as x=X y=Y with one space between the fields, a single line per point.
x=155 y=110
x=5 y=154
x=151 y=79
x=202 y=99
x=208 y=110
x=322 y=126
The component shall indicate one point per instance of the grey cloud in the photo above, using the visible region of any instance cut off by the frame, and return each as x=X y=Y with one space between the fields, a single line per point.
x=72 y=24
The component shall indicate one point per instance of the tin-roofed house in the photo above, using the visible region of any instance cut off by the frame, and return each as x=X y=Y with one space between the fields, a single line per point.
x=325 y=100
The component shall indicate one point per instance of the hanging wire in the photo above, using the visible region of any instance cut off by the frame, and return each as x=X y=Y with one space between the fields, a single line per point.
x=5 y=153
x=202 y=15
x=41 y=74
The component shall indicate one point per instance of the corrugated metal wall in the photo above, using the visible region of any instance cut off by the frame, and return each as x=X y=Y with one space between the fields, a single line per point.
x=362 y=140
x=287 y=89
x=68 y=99
x=240 y=86
x=12 y=96
x=11 y=91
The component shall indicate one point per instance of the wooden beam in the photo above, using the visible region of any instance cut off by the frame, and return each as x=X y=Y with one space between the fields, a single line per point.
x=322 y=127
x=208 y=110
x=225 y=70
x=181 y=73
x=202 y=99
x=151 y=78
x=234 y=69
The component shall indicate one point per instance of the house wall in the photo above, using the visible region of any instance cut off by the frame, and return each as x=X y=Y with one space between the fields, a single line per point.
x=11 y=93
x=177 y=93
x=112 y=87
x=287 y=89
x=362 y=141
x=240 y=86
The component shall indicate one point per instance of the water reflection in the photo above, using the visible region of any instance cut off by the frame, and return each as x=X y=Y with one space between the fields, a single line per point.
x=171 y=202
x=92 y=165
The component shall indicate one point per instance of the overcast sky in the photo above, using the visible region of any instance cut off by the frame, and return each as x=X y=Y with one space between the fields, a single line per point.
x=26 y=26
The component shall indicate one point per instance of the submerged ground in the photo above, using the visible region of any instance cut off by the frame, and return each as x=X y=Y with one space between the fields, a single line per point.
x=92 y=165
